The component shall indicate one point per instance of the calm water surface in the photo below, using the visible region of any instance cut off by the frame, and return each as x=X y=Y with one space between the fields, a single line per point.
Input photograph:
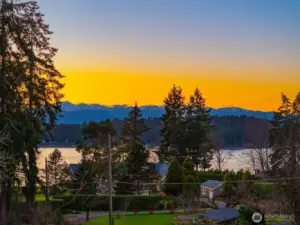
x=72 y=156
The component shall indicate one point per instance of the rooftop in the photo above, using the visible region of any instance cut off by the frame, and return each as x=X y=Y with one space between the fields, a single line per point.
x=211 y=184
x=221 y=215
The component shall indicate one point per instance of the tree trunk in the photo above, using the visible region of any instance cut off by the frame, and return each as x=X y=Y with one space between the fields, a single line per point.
x=3 y=206
x=87 y=215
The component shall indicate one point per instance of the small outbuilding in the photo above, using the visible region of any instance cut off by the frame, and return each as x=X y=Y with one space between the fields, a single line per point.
x=211 y=188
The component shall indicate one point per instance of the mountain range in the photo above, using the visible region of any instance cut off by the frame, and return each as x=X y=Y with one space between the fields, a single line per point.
x=80 y=113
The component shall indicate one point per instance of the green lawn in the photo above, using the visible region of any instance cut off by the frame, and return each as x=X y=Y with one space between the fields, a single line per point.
x=146 y=219
x=38 y=197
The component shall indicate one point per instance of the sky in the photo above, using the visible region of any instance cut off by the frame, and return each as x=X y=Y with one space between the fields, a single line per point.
x=240 y=53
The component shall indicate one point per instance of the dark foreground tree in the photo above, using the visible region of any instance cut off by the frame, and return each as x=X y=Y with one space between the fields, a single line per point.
x=285 y=157
x=172 y=127
x=29 y=84
x=174 y=179
x=136 y=153
x=197 y=131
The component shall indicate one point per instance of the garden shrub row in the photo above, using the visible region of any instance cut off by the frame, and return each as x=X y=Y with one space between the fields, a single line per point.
x=209 y=175
x=22 y=206
x=263 y=190
x=122 y=202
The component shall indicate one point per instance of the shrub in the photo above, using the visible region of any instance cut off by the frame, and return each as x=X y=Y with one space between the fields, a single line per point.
x=151 y=209
x=262 y=190
x=135 y=211
x=22 y=206
x=171 y=207
x=174 y=175
x=120 y=202
x=209 y=175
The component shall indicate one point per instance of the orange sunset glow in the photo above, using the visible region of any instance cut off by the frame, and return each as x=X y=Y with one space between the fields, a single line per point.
x=239 y=54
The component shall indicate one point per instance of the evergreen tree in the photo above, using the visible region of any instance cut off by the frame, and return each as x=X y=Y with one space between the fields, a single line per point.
x=229 y=185
x=285 y=160
x=172 y=126
x=137 y=155
x=285 y=136
x=84 y=178
x=29 y=84
x=188 y=166
x=174 y=179
x=57 y=170
x=93 y=148
x=198 y=131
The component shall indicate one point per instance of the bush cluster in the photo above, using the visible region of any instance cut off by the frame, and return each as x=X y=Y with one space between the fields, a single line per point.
x=263 y=190
x=210 y=175
x=120 y=202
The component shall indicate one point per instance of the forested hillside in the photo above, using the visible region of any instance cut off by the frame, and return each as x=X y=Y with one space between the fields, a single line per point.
x=231 y=132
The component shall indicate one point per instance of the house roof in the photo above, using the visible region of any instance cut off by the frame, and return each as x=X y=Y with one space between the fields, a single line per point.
x=221 y=215
x=74 y=168
x=211 y=184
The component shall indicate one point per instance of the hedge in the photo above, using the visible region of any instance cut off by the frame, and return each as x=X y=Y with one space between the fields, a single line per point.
x=263 y=190
x=204 y=176
x=22 y=206
x=120 y=202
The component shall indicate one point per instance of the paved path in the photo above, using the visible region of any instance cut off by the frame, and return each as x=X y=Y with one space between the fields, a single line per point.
x=220 y=204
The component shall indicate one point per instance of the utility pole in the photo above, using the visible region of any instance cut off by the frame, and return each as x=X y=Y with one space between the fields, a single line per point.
x=110 y=181
x=47 y=179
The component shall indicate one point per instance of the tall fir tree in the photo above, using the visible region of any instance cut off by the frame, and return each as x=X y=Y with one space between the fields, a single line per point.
x=172 y=126
x=197 y=126
x=137 y=154
x=285 y=136
x=30 y=84
x=285 y=156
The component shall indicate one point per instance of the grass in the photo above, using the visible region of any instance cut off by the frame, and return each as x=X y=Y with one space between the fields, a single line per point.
x=38 y=197
x=142 y=219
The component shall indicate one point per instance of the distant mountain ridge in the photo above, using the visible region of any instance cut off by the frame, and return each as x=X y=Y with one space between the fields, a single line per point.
x=79 y=113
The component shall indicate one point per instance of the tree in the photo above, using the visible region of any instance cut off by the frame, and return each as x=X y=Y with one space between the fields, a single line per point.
x=246 y=213
x=93 y=148
x=57 y=170
x=190 y=191
x=197 y=127
x=137 y=154
x=30 y=86
x=229 y=185
x=174 y=179
x=188 y=166
x=6 y=160
x=220 y=158
x=285 y=157
x=172 y=126
x=245 y=187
